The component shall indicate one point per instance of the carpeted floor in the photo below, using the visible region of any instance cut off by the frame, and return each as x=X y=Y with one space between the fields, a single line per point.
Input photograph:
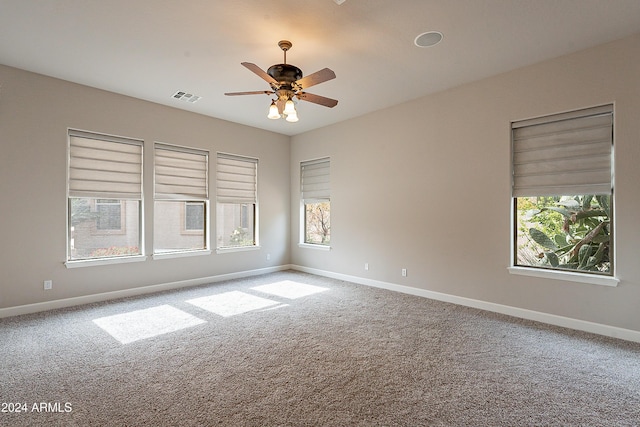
x=292 y=349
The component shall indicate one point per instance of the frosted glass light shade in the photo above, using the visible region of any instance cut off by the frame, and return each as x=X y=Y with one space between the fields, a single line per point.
x=273 y=111
x=293 y=117
x=289 y=107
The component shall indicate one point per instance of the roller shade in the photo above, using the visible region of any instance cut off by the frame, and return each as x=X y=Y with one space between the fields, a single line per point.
x=236 y=179
x=565 y=154
x=105 y=167
x=315 y=180
x=180 y=173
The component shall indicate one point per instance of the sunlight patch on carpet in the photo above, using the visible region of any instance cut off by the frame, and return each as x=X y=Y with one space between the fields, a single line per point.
x=290 y=289
x=231 y=303
x=147 y=323
x=276 y=307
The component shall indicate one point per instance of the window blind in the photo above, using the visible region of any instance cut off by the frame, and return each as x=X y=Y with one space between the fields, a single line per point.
x=315 y=180
x=564 y=154
x=105 y=167
x=236 y=179
x=180 y=173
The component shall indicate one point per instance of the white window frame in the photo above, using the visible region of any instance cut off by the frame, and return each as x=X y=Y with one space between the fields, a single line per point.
x=177 y=184
x=319 y=191
x=74 y=190
x=550 y=273
x=230 y=191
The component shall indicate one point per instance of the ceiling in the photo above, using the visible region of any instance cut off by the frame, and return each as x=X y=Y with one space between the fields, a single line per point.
x=150 y=49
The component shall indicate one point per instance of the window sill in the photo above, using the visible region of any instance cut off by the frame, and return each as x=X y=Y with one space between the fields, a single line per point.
x=180 y=254
x=236 y=249
x=105 y=261
x=314 y=246
x=566 y=275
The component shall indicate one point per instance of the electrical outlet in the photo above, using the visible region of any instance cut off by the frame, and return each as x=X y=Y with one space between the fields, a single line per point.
x=366 y=265
x=48 y=284
x=404 y=272
x=268 y=257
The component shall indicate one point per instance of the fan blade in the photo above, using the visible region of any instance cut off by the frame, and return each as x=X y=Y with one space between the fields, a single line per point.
x=260 y=72
x=316 y=78
x=317 y=99
x=255 y=92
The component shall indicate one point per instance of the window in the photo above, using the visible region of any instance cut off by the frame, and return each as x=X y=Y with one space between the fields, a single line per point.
x=563 y=191
x=194 y=216
x=236 y=201
x=181 y=199
x=109 y=212
x=316 y=205
x=104 y=196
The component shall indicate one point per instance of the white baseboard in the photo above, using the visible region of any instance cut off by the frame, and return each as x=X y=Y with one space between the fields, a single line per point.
x=105 y=296
x=552 y=319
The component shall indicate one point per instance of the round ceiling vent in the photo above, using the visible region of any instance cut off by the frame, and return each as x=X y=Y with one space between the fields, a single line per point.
x=428 y=39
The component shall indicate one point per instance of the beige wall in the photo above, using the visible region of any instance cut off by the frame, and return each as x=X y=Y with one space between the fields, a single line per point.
x=426 y=186
x=35 y=112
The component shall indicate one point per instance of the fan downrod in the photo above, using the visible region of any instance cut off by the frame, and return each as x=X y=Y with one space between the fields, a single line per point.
x=285 y=45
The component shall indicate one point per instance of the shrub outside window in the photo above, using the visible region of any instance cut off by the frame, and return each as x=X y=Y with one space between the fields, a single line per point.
x=565 y=232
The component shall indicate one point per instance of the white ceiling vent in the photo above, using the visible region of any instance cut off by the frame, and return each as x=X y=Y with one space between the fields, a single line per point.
x=187 y=97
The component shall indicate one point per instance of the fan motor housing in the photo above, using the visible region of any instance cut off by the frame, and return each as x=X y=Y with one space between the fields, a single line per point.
x=285 y=73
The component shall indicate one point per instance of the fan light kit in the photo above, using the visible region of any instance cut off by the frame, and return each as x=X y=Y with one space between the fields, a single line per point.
x=287 y=82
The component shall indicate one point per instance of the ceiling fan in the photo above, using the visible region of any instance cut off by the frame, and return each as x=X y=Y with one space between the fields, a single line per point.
x=287 y=82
